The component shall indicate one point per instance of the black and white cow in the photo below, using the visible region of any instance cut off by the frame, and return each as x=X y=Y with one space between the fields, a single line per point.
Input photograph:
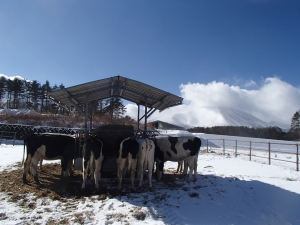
x=92 y=159
x=48 y=147
x=145 y=160
x=127 y=159
x=176 y=149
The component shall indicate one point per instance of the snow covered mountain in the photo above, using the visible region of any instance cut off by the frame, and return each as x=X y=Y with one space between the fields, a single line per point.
x=216 y=116
x=239 y=118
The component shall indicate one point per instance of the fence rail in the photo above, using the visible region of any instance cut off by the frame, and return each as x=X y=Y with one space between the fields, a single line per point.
x=7 y=135
x=19 y=131
x=271 y=151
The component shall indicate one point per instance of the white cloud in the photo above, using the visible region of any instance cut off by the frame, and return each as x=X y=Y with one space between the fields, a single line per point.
x=250 y=83
x=275 y=100
x=131 y=110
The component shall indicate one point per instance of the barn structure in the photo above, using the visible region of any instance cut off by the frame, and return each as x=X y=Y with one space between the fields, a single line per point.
x=131 y=90
x=134 y=91
x=157 y=124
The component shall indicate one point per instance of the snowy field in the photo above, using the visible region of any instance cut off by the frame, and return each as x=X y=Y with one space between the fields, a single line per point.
x=282 y=153
x=229 y=190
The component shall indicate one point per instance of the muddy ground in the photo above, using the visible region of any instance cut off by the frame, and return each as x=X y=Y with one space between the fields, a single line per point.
x=56 y=188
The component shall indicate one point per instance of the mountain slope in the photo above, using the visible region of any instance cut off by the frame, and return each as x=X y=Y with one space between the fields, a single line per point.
x=216 y=116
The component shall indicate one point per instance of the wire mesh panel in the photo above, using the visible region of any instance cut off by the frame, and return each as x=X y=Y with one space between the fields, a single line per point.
x=22 y=130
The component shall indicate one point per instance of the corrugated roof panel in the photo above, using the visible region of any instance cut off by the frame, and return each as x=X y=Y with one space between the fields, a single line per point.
x=125 y=88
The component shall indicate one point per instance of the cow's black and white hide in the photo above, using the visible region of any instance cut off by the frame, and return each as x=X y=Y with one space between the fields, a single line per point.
x=145 y=160
x=176 y=149
x=48 y=147
x=92 y=159
x=127 y=158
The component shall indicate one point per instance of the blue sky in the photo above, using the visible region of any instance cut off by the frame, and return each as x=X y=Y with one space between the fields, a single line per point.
x=161 y=43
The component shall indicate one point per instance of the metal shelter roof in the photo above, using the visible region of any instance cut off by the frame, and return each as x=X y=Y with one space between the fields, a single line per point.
x=125 y=88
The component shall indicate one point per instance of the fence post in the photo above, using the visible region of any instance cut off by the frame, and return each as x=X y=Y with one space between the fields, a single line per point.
x=14 y=138
x=269 y=153
x=223 y=146
x=1 y=137
x=235 y=148
x=207 y=145
x=297 y=158
x=250 y=151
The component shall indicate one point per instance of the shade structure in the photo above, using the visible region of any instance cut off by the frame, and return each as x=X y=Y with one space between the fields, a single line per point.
x=117 y=86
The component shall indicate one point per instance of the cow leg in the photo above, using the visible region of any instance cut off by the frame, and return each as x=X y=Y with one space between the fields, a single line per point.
x=185 y=167
x=33 y=167
x=70 y=167
x=38 y=155
x=191 y=168
x=159 y=169
x=97 y=174
x=141 y=160
x=85 y=167
x=124 y=172
x=149 y=165
x=140 y=171
x=121 y=165
x=179 y=167
x=27 y=166
x=150 y=169
x=41 y=163
x=189 y=164
x=65 y=167
x=195 y=167
x=92 y=167
x=132 y=169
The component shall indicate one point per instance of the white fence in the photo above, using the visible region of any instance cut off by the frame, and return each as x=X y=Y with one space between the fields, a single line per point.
x=269 y=152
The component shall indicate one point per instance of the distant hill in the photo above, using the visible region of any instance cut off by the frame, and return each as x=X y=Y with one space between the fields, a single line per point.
x=219 y=116
x=239 y=118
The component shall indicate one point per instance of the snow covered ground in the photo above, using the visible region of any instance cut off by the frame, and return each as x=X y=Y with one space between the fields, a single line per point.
x=229 y=190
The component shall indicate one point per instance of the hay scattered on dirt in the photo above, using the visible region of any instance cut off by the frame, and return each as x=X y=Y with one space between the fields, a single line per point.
x=54 y=187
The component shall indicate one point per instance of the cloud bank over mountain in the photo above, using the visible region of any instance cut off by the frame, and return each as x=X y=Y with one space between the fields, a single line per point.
x=219 y=104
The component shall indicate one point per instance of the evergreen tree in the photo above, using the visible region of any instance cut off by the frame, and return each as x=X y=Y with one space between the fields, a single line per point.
x=2 y=88
x=43 y=97
x=35 y=94
x=18 y=88
x=27 y=94
x=55 y=87
x=294 y=132
x=9 y=91
x=48 y=90
x=100 y=111
x=115 y=107
x=295 y=123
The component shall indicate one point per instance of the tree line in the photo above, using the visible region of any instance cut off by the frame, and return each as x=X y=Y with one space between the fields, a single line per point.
x=23 y=94
x=261 y=132
x=243 y=131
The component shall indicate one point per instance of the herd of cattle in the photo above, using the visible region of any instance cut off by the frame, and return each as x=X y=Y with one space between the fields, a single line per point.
x=132 y=155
